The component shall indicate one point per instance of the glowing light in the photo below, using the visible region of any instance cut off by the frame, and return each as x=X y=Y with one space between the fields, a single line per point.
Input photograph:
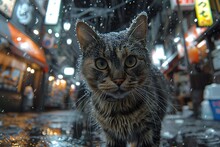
x=201 y=44
x=66 y=26
x=19 y=39
x=68 y=70
x=73 y=86
x=177 y=39
x=32 y=71
x=57 y=82
x=60 y=76
x=49 y=31
x=36 y=32
x=63 y=81
x=51 y=78
x=28 y=69
x=57 y=35
x=69 y=41
x=77 y=83
x=190 y=38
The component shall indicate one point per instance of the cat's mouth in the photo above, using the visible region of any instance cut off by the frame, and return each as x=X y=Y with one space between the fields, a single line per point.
x=118 y=94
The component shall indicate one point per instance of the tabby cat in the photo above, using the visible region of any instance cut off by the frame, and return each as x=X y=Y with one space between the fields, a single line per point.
x=128 y=93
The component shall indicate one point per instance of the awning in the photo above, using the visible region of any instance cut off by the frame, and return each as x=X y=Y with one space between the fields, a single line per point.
x=23 y=44
x=171 y=63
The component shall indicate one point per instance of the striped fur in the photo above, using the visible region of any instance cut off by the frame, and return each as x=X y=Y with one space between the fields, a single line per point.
x=134 y=114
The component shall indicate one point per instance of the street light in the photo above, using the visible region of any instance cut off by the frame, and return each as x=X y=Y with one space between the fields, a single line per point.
x=68 y=71
x=66 y=26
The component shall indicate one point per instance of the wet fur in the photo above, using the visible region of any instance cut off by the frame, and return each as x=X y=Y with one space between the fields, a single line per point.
x=137 y=117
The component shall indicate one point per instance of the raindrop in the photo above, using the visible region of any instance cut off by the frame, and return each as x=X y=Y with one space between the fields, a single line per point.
x=36 y=21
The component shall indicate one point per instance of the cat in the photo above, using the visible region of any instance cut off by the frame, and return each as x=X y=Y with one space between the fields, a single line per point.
x=128 y=94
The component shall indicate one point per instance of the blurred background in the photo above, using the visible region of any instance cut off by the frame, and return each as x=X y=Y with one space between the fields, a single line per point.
x=39 y=51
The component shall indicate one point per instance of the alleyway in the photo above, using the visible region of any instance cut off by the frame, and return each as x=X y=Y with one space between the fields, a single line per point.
x=68 y=129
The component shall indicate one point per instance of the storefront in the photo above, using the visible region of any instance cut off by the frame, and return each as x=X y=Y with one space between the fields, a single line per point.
x=22 y=63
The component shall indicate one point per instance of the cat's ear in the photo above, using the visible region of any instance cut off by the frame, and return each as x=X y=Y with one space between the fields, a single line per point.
x=138 y=28
x=85 y=34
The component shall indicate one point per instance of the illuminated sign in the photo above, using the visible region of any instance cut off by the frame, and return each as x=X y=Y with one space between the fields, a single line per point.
x=184 y=4
x=53 y=10
x=7 y=6
x=203 y=13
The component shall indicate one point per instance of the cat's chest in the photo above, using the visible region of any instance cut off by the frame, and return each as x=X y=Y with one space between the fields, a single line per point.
x=123 y=124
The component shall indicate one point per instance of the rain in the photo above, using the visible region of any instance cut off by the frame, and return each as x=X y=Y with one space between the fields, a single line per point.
x=47 y=99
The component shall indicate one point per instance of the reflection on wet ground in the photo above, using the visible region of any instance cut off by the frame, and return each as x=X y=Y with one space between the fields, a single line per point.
x=50 y=129
x=189 y=132
x=69 y=129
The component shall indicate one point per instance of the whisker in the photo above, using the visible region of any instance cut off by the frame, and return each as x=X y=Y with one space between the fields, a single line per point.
x=143 y=97
x=153 y=100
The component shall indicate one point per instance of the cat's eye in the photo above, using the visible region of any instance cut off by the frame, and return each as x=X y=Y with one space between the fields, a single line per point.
x=101 y=63
x=130 y=61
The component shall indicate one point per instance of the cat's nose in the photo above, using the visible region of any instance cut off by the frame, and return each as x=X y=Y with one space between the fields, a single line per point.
x=118 y=81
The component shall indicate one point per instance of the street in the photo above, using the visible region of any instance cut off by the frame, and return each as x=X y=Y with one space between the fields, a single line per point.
x=48 y=129
x=68 y=128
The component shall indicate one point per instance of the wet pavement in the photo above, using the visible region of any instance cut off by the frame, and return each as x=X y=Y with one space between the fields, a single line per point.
x=48 y=129
x=180 y=131
x=68 y=129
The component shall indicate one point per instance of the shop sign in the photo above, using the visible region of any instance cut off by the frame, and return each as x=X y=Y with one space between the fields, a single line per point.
x=7 y=6
x=195 y=52
x=203 y=13
x=184 y=4
x=53 y=10
x=24 y=12
x=48 y=41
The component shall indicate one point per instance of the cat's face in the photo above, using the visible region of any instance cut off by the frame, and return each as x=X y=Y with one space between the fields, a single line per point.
x=115 y=64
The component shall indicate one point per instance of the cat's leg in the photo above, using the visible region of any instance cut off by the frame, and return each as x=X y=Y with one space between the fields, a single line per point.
x=150 y=138
x=113 y=142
